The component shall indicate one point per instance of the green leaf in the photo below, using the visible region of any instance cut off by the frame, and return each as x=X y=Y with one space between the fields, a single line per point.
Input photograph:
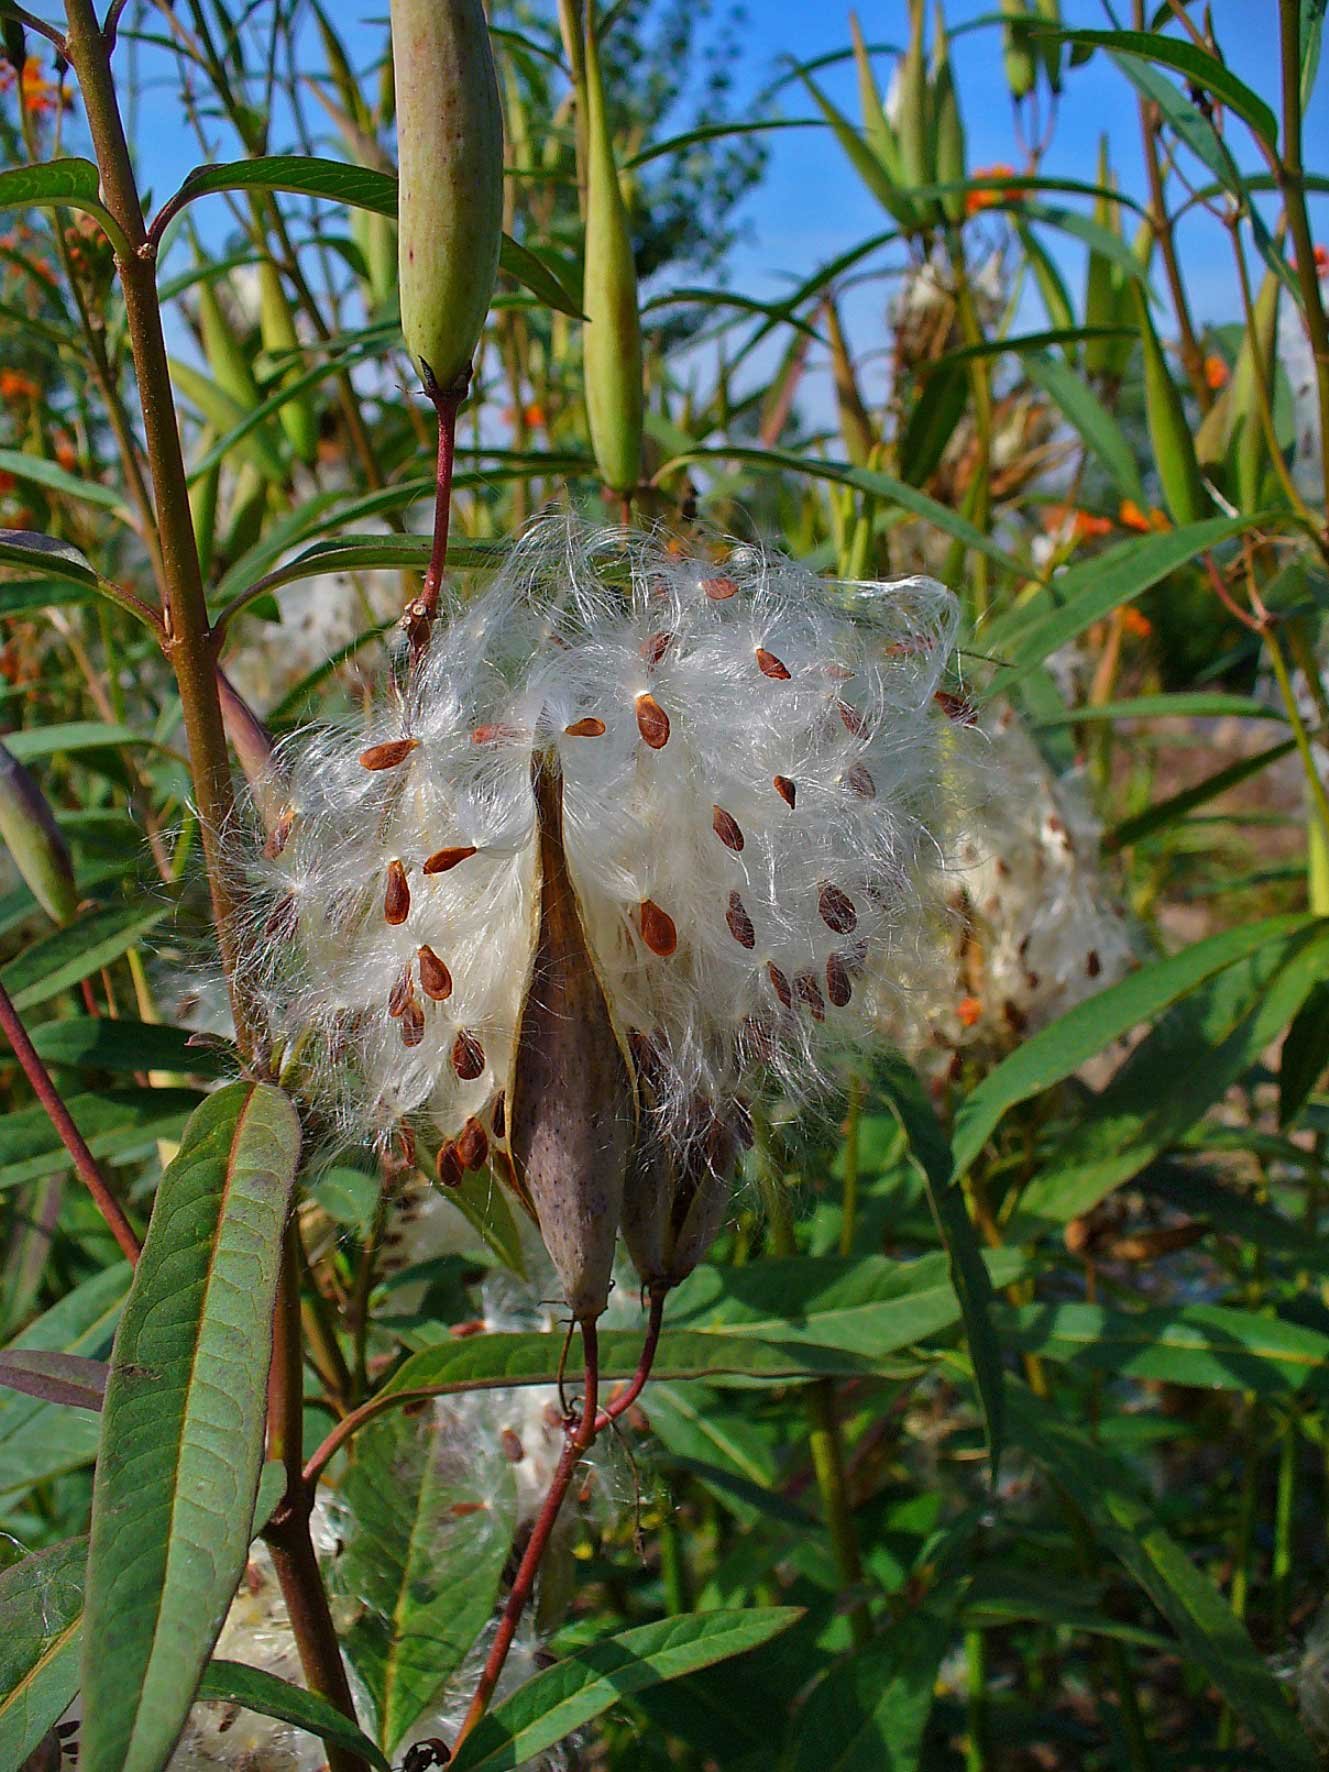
x=1164 y=813
x=232 y=1682
x=1209 y=1633
x=969 y=1277
x=1091 y=420
x=69 y=1380
x=872 y=1708
x=580 y=1688
x=1056 y=1052
x=1181 y=706
x=1086 y=593
x=538 y=276
x=182 y=1429
x=67 y=736
x=37 y=471
x=31 y=549
x=932 y=421
x=433 y=1530
x=113 y=1121
x=58 y=961
x=41 y=1602
x=1202 y=1046
x=103 y=1045
x=1183 y=58
x=70 y=183
x=1305 y=1054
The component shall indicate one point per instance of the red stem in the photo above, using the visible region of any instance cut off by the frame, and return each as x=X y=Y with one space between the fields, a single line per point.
x=620 y=1405
x=70 y=1136
x=420 y=614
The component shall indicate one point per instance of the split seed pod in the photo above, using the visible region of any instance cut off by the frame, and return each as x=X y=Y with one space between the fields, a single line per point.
x=572 y=1109
x=450 y=159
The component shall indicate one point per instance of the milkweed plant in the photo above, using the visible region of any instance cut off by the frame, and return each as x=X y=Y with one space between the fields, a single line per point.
x=672 y=1117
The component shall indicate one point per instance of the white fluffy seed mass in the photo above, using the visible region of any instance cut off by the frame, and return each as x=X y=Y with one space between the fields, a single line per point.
x=751 y=759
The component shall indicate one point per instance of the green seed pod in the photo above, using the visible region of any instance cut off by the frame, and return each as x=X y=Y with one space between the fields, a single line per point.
x=450 y=206
x=1255 y=366
x=1049 y=48
x=276 y=325
x=1170 y=437
x=1016 y=54
x=32 y=837
x=855 y=425
x=612 y=335
x=915 y=111
x=1100 y=289
x=227 y=358
x=572 y=1104
x=949 y=148
x=881 y=137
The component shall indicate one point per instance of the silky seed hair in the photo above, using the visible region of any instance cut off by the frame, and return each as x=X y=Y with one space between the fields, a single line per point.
x=753 y=762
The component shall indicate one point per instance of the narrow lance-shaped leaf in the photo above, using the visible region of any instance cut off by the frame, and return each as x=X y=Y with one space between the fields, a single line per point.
x=41 y=1603
x=182 y=1428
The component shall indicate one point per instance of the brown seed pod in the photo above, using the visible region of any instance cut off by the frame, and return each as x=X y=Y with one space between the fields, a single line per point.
x=448 y=1166
x=838 y=987
x=473 y=1145
x=779 y=984
x=652 y=722
x=657 y=929
x=468 y=1056
x=787 y=789
x=809 y=992
x=740 y=924
x=435 y=979
x=590 y=727
x=726 y=828
x=837 y=910
x=720 y=589
x=770 y=666
x=389 y=754
x=443 y=860
x=412 y=1023
x=396 y=895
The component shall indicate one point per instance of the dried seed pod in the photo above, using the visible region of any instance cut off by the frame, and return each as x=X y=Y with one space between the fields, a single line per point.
x=442 y=861
x=657 y=929
x=770 y=666
x=389 y=754
x=676 y=1196
x=572 y=1108
x=450 y=193
x=652 y=722
x=837 y=910
x=435 y=979
x=726 y=828
x=473 y=1145
x=740 y=923
x=396 y=895
x=468 y=1056
x=787 y=789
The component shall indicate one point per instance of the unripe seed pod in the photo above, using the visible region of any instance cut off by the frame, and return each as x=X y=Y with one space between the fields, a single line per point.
x=612 y=335
x=450 y=157
x=1016 y=53
x=32 y=837
x=1100 y=289
x=276 y=326
x=1170 y=437
x=948 y=150
x=572 y=1106
x=915 y=110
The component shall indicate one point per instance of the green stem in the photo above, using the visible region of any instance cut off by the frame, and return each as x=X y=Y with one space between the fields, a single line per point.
x=1284 y=1508
x=826 y=1446
x=1291 y=186
x=976 y=1664
x=849 y=1194
x=1314 y=781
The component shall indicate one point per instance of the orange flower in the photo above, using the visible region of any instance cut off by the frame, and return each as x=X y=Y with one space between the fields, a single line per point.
x=1216 y=372
x=1322 y=261
x=1130 y=516
x=1135 y=623
x=977 y=200
x=969 y=1010
x=1086 y=526
x=65 y=453
x=41 y=95
x=16 y=386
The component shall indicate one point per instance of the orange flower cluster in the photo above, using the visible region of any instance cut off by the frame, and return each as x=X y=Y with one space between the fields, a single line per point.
x=1130 y=516
x=14 y=385
x=1216 y=372
x=40 y=97
x=1084 y=525
x=979 y=200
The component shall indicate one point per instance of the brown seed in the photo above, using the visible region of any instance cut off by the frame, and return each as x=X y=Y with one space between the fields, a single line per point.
x=401 y=993
x=652 y=722
x=852 y=720
x=396 y=895
x=719 y=590
x=779 y=984
x=654 y=647
x=956 y=708
x=837 y=910
x=838 y=673
x=513 y=1450
x=838 y=987
x=590 y=727
x=497 y=733
x=500 y=1115
x=387 y=756
x=657 y=929
x=770 y=666
x=787 y=790
x=444 y=859
x=279 y=835
x=460 y=1509
x=809 y=992
x=282 y=918
x=725 y=826
x=740 y=923
x=412 y=1023
x=473 y=1145
x=1093 y=965
x=435 y=979
x=468 y=1057
x=860 y=782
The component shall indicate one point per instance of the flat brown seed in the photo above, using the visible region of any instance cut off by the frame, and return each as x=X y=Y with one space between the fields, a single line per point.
x=837 y=910
x=740 y=923
x=513 y=1450
x=448 y=1166
x=851 y=719
x=787 y=790
x=1093 y=965
x=401 y=993
x=396 y=895
x=720 y=589
x=779 y=984
x=652 y=722
x=388 y=755
x=500 y=1115
x=956 y=709
x=838 y=987
x=657 y=929
x=860 y=782
x=412 y=1023
x=473 y=1145
x=770 y=666
x=809 y=992
x=280 y=835
x=590 y=727
x=442 y=860
x=468 y=1057
x=282 y=918
x=497 y=733
x=435 y=979
x=725 y=826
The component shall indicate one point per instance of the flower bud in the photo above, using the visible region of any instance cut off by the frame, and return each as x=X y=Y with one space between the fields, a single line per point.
x=450 y=155
x=33 y=839
x=612 y=347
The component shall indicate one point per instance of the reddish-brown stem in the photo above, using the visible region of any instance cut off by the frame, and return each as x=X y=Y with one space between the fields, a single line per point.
x=70 y=1136
x=579 y=1437
x=420 y=614
x=620 y=1405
